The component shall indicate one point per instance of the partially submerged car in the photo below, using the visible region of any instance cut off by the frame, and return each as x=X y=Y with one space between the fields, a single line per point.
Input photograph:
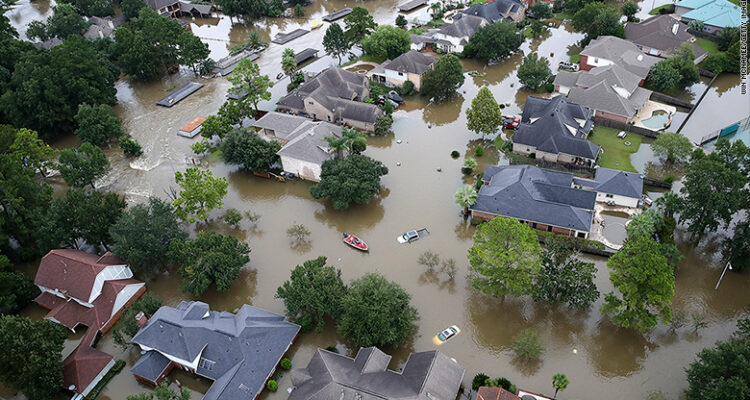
x=413 y=235
x=511 y=121
x=447 y=334
x=567 y=66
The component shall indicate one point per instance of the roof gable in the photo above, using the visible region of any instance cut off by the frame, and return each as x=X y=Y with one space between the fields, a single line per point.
x=72 y=272
x=412 y=62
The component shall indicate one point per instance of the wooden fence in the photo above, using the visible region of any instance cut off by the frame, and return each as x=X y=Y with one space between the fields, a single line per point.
x=671 y=100
x=657 y=182
x=625 y=127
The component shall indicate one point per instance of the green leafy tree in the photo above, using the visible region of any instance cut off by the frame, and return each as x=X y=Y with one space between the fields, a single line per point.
x=716 y=62
x=401 y=21
x=645 y=282
x=215 y=125
x=629 y=9
x=83 y=166
x=376 y=312
x=249 y=8
x=141 y=236
x=149 y=43
x=696 y=25
x=528 y=345
x=63 y=22
x=673 y=146
x=721 y=372
x=131 y=8
x=654 y=225
x=484 y=116
x=81 y=215
x=386 y=42
x=299 y=11
x=559 y=382
x=209 y=258
x=734 y=58
x=466 y=197
x=537 y=27
x=200 y=193
x=289 y=59
x=255 y=40
x=232 y=217
x=245 y=147
x=534 y=71
x=314 y=291
x=738 y=246
x=247 y=78
x=192 y=52
x=130 y=147
x=162 y=392
x=359 y=24
x=97 y=124
x=541 y=10
x=126 y=327
x=335 y=42
x=726 y=37
x=470 y=165
x=663 y=76
x=443 y=79
x=678 y=70
x=495 y=41
x=505 y=258
x=16 y=290
x=564 y=277
x=30 y=150
x=353 y=180
x=99 y=8
x=598 y=19
x=32 y=356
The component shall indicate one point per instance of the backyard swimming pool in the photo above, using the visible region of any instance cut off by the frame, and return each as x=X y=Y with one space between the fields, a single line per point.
x=658 y=120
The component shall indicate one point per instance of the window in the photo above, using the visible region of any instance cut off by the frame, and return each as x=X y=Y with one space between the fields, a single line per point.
x=206 y=364
x=533 y=225
x=581 y=235
x=609 y=196
x=549 y=228
x=310 y=103
x=400 y=74
x=596 y=60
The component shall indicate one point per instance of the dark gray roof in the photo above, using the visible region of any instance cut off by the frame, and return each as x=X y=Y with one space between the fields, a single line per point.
x=179 y=94
x=305 y=138
x=495 y=11
x=202 y=9
x=159 y=4
x=629 y=184
x=464 y=25
x=612 y=75
x=622 y=52
x=337 y=14
x=282 y=38
x=305 y=55
x=237 y=351
x=151 y=365
x=555 y=126
x=661 y=32
x=410 y=5
x=428 y=375
x=533 y=194
x=604 y=98
x=410 y=62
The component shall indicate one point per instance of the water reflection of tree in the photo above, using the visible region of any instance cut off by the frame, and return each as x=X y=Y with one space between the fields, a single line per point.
x=616 y=351
x=523 y=93
x=497 y=73
x=443 y=112
x=527 y=367
x=368 y=215
x=464 y=230
x=242 y=291
x=434 y=277
x=535 y=42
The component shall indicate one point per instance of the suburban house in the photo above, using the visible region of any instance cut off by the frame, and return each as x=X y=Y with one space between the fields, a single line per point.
x=103 y=27
x=85 y=289
x=176 y=8
x=495 y=393
x=428 y=375
x=611 y=91
x=498 y=10
x=334 y=95
x=526 y=395
x=450 y=38
x=660 y=35
x=614 y=187
x=238 y=352
x=611 y=50
x=715 y=14
x=303 y=145
x=407 y=67
x=555 y=130
x=545 y=200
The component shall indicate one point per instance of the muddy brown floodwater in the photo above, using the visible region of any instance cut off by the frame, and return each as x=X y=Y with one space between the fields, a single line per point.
x=602 y=361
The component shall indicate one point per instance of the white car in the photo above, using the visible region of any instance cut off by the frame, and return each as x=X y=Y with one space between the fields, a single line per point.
x=447 y=334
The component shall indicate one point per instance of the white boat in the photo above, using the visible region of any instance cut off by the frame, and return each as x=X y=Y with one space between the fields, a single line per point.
x=316 y=24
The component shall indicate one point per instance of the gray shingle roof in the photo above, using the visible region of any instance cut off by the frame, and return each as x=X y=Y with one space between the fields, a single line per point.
x=555 y=126
x=410 y=62
x=661 y=32
x=240 y=350
x=622 y=183
x=566 y=78
x=622 y=52
x=428 y=375
x=612 y=75
x=309 y=145
x=464 y=25
x=533 y=194
x=151 y=365
x=603 y=98
x=285 y=126
x=159 y=4
x=495 y=11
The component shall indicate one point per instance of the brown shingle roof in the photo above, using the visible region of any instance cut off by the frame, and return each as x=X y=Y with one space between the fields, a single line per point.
x=495 y=393
x=70 y=271
x=84 y=364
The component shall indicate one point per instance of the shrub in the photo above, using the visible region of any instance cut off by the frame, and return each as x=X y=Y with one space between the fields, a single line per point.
x=305 y=322
x=480 y=379
x=470 y=165
x=232 y=217
x=130 y=147
x=383 y=125
x=408 y=88
x=669 y=179
x=332 y=349
x=549 y=87
x=478 y=151
x=429 y=260
x=299 y=11
x=286 y=364
x=455 y=154
x=271 y=385
x=528 y=345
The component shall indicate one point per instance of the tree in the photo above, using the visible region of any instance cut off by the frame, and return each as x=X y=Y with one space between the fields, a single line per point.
x=470 y=165
x=559 y=382
x=738 y=246
x=97 y=124
x=141 y=236
x=663 y=77
x=191 y=51
x=200 y=194
x=63 y=22
x=537 y=27
x=401 y=21
x=131 y=8
x=149 y=43
x=429 y=260
x=674 y=146
x=32 y=356
x=386 y=42
x=289 y=59
x=466 y=197
x=83 y=166
x=232 y=217
x=505 y=258
x=245 y=147
x=598 y=19
x=645 y=282
x=564 y=277
x=654 y=225
x=99 y=8
x=727 y=37
x=353 y=180
x=534 y=71
x=442 y=81
x=696 y=25
x=314 y=291
x=127 y=326
x=716 y=62
x=351 y=141
x=722 y=372
x=31 y=151
x=247 y=78
x=209 y=258
x=541 y=10
x=16 y=290
x=162 y=392
x=629 y=9
x=215 y=125
x=81 y=215
x=678 y=70
x=255 y=40
x=335 y=42
x=376 y=312
x=528 y=345
x=298 y=233
x=299 y=11
x=359 y=23
x=130 y=147
x=484 y=116
x=495 y=41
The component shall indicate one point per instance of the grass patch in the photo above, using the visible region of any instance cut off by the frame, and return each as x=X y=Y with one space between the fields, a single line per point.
x=575 y=58
x=119 y=365
x=707 y=44
x=562 y=16
x=616 y=154
x=364 y=57
x=655 y=11
x=417 y=31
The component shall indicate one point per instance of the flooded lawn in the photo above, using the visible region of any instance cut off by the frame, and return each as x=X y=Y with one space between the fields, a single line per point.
x=598 y=358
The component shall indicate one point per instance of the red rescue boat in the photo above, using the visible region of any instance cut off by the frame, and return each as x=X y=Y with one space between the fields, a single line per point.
x=355 y=242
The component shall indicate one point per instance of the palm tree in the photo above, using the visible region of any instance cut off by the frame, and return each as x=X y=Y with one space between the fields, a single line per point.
x=289 y=62
x=435 y=10
x=559 y=382
x=338 y=144
x=466 y=197
x=254 y=39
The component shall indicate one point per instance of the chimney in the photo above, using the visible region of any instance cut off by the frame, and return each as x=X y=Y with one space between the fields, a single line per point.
x=141 y=319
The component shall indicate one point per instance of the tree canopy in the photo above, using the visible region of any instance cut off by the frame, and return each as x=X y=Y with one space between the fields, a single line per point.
x=27 y=148
x=484 y=116
x=245 y=147
x=629 y=9
x=505 y=258
x=376 y=312
x=541 y=10
x=386 y=42
x=335 y=42
x=495 y=41
x=16 y=290
x=721 y=372
x=162 y=392
x=672 y=146
x=359 y=23
x=314 y=291
x=97 y=124
x=246 y=78
x=534 y=71
x=98 y=8
x=63 y=22
x=200 y=193
x=32 y=356
x=598 y=19
x=209 y=258
x=131 y=8
x=127 y=326
x=443 y=79
x=678 y=70
x=352 y=180
x=141 y=236
x=83 y=166
x=564 y=277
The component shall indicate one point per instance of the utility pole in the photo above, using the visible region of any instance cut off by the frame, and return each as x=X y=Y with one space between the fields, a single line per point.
x=728 y=266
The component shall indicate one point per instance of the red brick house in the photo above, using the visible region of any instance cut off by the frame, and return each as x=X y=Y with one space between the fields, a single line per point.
x=495 y=393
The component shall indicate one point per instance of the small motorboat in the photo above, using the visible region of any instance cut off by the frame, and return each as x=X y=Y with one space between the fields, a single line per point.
x=355 y=242
x=316 y=24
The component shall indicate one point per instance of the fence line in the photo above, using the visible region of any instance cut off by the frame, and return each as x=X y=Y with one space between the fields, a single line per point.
x=625 y=127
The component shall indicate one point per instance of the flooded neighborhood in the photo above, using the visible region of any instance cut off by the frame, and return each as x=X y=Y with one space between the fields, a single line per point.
x=601 y=358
